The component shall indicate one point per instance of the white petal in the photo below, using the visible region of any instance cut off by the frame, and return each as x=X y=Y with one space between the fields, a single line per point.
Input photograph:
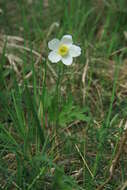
x=54 y=57
x=75 y=51
x=67 y=60
x=67 y=39
x=54 y=44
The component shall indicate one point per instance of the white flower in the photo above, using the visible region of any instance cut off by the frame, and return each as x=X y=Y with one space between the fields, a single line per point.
x=63 y=50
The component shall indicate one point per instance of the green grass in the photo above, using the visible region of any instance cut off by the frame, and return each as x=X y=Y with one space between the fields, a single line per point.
x=52 y=137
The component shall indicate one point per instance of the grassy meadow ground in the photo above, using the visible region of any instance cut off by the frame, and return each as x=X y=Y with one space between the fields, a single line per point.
x=63 y=127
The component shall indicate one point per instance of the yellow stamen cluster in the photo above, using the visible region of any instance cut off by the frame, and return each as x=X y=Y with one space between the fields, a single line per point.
x=63 y=50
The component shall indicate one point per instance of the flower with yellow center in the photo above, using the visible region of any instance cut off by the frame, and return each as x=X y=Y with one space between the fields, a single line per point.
x=63 y=50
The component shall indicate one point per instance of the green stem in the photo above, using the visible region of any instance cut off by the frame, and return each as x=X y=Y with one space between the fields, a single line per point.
x=58 y=92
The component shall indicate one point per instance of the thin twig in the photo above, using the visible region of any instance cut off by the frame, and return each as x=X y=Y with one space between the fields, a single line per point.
x=84 y=79
x=84 y=161
x=118 y=51
x=124 y=186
